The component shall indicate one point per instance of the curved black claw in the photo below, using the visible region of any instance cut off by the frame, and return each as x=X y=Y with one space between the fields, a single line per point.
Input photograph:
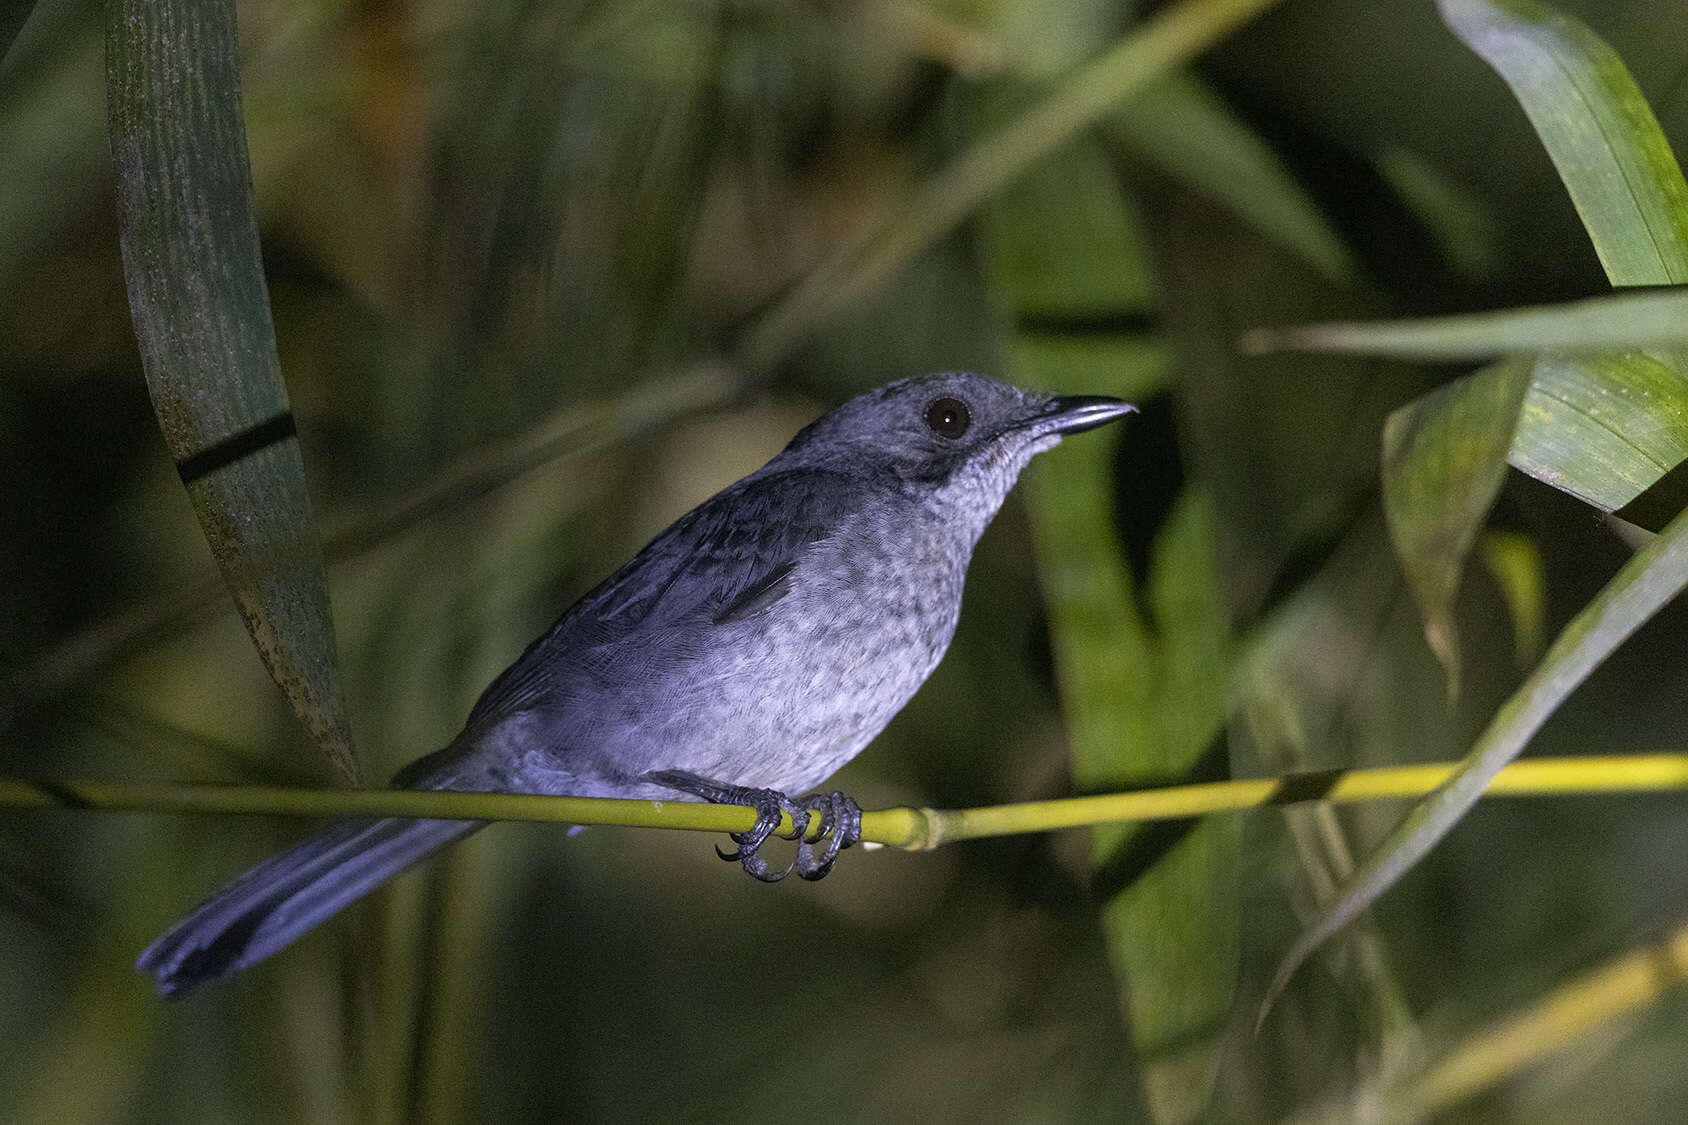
x=768 y=803
x=841 y=826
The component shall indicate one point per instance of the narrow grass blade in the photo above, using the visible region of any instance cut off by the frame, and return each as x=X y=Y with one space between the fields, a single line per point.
x=1174 y=35
x=1444 y=458
x=197 y=296
x=1183 y=128
x=1464 y=231
x=1621 y=321
x=1654 y=576
x=1607 y=426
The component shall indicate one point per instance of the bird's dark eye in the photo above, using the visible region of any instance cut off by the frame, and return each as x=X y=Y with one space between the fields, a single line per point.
x=948 y=417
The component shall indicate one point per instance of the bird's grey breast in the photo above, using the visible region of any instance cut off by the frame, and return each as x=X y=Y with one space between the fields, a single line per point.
x=801 y=688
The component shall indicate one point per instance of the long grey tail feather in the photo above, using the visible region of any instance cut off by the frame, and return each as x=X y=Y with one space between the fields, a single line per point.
x=287 y=895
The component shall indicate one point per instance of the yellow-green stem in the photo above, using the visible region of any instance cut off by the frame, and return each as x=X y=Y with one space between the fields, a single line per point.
x=915 y=829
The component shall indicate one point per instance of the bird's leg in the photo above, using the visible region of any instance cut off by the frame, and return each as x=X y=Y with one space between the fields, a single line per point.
x=768 y=803
x=842 y=818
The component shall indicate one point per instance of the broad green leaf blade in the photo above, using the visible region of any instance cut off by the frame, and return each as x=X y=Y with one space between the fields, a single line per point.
x=1650 y=579
x=1621 y=321
x=1147 y=703
x=1594 y=123
x=1608 y=429
x=1444 y=458
x=1060 y=243
x=197 y=296
x=1603 y=427
x=1184 y=129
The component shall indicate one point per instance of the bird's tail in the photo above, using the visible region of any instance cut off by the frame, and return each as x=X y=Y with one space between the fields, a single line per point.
x=288 y=894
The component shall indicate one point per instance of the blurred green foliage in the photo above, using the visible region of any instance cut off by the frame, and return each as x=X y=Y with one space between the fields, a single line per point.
x=503 y=244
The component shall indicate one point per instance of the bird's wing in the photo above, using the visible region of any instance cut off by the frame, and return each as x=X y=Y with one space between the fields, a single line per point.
x=723 y=562
x=759 y=595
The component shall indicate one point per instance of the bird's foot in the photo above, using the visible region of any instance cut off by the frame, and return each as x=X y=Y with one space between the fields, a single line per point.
x=840 y=823
x=840 y=826
x=768 y=803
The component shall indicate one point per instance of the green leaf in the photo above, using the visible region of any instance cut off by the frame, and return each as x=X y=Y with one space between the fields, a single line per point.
x=1444 y=458
x=197 y=296
x=1141 y=702
x=1604 y=140
x=1656 y=574
x=1060 y=242
x=1620 y=321
x=1609 y=430
x=1620 y=172
x=1287 y=444
x=1184 y=129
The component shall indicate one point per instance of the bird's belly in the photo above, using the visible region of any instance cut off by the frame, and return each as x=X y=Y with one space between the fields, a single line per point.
x=790 y=702
x=784 y=698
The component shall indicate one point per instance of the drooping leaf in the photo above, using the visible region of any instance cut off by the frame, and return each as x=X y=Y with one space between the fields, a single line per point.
x=1619 y=170
x=200 y=307
x=1444 y=458
x=1605 y=427
x=1655 y=575
x=1629 y=190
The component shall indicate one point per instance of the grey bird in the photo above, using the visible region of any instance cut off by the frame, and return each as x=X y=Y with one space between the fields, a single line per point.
x=748 y=652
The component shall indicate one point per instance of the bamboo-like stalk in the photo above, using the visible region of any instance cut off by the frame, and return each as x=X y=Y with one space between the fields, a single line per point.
x=1550 y=1023
x=911 y=828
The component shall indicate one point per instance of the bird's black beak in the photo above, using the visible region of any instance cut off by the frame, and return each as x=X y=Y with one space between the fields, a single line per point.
x=1073 y=414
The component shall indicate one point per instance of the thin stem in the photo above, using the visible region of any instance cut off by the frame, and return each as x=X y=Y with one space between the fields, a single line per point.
x=911 y=828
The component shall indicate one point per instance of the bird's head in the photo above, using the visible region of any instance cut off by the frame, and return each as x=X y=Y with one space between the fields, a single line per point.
x=960 y=437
